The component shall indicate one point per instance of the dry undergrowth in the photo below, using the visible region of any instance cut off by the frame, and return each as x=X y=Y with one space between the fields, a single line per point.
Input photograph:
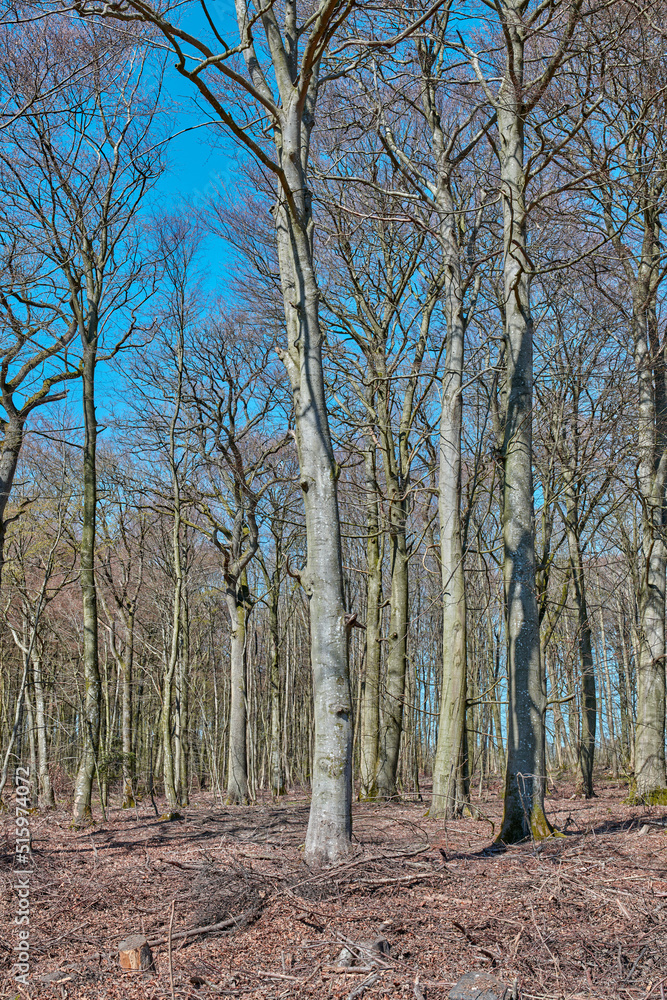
x=584 y=916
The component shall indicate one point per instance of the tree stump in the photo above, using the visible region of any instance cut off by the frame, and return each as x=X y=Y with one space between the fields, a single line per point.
x=135 y=954
x=481 y=986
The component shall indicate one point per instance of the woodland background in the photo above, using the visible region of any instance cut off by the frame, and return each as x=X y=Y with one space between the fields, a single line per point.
x=152 y=509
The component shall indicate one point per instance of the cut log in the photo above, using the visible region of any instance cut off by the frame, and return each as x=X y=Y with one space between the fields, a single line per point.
x=135 y=954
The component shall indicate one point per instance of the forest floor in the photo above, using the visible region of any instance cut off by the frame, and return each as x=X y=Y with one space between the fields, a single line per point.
x=579 y=916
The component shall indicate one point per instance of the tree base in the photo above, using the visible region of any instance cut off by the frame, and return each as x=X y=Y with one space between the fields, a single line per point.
x=517 y=828
x=82 y=819
x=236 y=800
x=656 y=797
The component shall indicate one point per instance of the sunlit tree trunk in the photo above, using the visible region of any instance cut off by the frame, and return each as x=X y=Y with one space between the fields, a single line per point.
x=525 y=777
x=45 y=788
x=237 y=773
x=173 y=650
x=90 y=716
x=370 y=684
x=129 y=762
x=330 y=821
x=183 y=708
x=450 y=756
x=276 y=772
x=652 y=431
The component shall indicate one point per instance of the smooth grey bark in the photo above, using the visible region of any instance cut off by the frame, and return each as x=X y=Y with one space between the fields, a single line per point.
x=90 y=714
x=369 y=712
x=525 y=777
x=330 y=822
x=236 y=597
x=649 y=359
x=447 y=800
x=652 y=473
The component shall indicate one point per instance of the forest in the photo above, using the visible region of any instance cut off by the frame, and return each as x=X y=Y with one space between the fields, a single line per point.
x=335 y=486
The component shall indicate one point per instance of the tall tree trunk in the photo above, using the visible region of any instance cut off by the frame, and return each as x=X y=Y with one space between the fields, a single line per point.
x=45 y=788
x=625 y=692
x=81 y=810
x=391 y=725
x=587 y=666
x=650 y=726
x=370 y=689
x=172 y=654
x=129 y=760
x=649 y=359
x=171 y=658
x=330 y=821
x=525 y=778
x=448 y=787
x=183 y=709
x=276 y=773
x=396 y=459
x=237 y=773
